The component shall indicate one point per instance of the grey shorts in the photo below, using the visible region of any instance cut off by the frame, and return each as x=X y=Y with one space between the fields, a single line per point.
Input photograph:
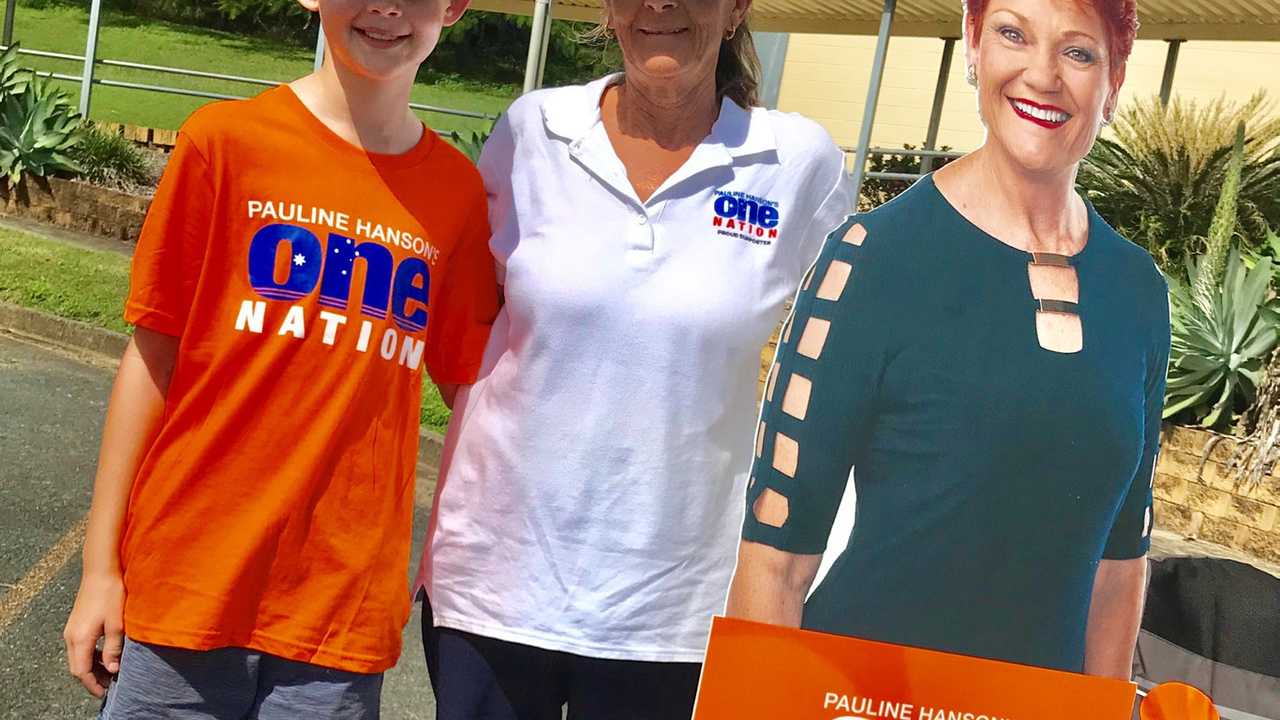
x=233 y=684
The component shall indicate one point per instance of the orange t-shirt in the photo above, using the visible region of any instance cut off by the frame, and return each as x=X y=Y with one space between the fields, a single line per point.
x=309 y=283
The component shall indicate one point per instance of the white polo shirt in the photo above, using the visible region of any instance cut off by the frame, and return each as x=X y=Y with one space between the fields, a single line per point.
x=593 y=478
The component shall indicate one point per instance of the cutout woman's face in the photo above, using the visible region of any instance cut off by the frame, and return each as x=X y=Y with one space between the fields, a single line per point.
x=1045 y=79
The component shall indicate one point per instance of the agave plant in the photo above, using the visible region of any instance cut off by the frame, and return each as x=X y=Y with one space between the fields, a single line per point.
x=1218 y=352
x=471 y=143
x=13 y=78
x=1221 y=229
x=38 y=128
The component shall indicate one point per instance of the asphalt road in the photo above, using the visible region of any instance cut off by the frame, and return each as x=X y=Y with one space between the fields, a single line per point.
x=51 y=409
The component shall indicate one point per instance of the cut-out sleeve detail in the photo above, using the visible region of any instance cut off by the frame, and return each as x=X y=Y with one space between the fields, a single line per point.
x=855 y=234
x=834 y=281
x=1130 y=535
x=827 y=380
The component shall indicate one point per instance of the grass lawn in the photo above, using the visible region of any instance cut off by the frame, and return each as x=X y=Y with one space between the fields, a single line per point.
x=90 y=286
x=81 y=284
x=134 y=39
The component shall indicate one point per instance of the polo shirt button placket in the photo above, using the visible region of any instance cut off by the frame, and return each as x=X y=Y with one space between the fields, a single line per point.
x=641 y=233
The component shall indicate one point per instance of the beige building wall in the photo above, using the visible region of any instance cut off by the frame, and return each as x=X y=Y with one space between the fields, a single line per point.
x=826 y=78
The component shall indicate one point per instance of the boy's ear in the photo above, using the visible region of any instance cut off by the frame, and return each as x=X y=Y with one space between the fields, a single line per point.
x=452 y=13
x=310 y=5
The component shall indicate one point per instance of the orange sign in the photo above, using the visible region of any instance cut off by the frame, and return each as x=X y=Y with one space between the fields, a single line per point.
x=769 y=672
x=1177 y=701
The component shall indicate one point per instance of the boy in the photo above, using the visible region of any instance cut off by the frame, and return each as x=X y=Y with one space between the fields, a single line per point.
x=307 y=253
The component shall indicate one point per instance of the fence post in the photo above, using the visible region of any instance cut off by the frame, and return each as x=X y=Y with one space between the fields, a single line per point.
x=9 y=10
x=90 y=57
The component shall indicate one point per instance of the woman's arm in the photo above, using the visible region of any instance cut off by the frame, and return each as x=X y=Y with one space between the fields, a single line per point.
x=1115 y=617
x=770 y=585
x=133 y=419
x=818 y=408
x=1119 y=585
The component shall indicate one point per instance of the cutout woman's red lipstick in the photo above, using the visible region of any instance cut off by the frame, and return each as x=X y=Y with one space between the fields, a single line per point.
x=1046 y=116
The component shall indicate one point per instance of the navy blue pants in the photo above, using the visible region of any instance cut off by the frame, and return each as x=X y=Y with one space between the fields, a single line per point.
x=480 y=678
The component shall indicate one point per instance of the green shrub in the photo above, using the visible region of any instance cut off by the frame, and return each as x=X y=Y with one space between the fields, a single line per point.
x=109 y=159
x=283 y=19
x=39 y=126
x=876 y=192
x=1158 y=180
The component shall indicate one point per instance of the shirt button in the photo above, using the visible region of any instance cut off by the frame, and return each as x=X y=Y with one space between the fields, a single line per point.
x=641 y=219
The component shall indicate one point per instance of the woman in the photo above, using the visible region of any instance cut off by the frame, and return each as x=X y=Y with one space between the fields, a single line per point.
x=990 y=357
x=648 y=228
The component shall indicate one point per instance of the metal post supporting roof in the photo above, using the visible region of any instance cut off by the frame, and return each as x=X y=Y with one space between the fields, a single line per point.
x=546 y=44
x=873 y=95
x=9 y=10
x=90 y=57
x=538 y=36
x=1170 y=65
x=939 y=98
x=319 y=46
x=772 y=49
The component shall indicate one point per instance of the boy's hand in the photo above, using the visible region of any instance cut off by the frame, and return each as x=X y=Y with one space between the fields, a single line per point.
x=98 y=613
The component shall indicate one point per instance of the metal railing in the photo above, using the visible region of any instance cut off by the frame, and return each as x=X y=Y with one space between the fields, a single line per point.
x=89 y=77
x=922 y=153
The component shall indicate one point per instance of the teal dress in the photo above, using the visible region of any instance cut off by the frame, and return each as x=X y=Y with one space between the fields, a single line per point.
x=992 y=475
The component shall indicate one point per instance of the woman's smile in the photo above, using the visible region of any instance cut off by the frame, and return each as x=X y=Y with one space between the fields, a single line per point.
x=662 y=32
x=1046 y=116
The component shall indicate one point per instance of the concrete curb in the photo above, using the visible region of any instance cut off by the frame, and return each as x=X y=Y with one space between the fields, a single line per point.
x=68 y=334
x=78 y=337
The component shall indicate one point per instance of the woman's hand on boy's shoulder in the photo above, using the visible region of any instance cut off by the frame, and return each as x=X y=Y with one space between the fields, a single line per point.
x=98 y=613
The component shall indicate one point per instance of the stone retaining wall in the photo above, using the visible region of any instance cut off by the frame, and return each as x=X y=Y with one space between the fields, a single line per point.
x=76 y=206
x=148 y=137
x=1209 y=505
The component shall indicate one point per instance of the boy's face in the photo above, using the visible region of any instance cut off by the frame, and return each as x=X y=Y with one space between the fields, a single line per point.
x=382 y=39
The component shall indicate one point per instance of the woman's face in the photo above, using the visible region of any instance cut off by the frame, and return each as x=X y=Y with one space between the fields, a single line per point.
x=668 y=40
x=1045 y=79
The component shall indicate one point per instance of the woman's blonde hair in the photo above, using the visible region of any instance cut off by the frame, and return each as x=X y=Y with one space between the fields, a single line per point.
x=737 y=68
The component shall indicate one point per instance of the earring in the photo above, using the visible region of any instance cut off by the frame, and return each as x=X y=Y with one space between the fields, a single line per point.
x=971 y=76
x=1107 y=116
x=731 y=32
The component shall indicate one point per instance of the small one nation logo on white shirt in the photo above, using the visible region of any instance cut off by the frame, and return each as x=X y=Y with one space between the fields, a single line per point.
x=747 y=217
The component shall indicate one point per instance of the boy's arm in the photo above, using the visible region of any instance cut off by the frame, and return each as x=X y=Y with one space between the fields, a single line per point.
x=133 y=419
x=448 y=391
